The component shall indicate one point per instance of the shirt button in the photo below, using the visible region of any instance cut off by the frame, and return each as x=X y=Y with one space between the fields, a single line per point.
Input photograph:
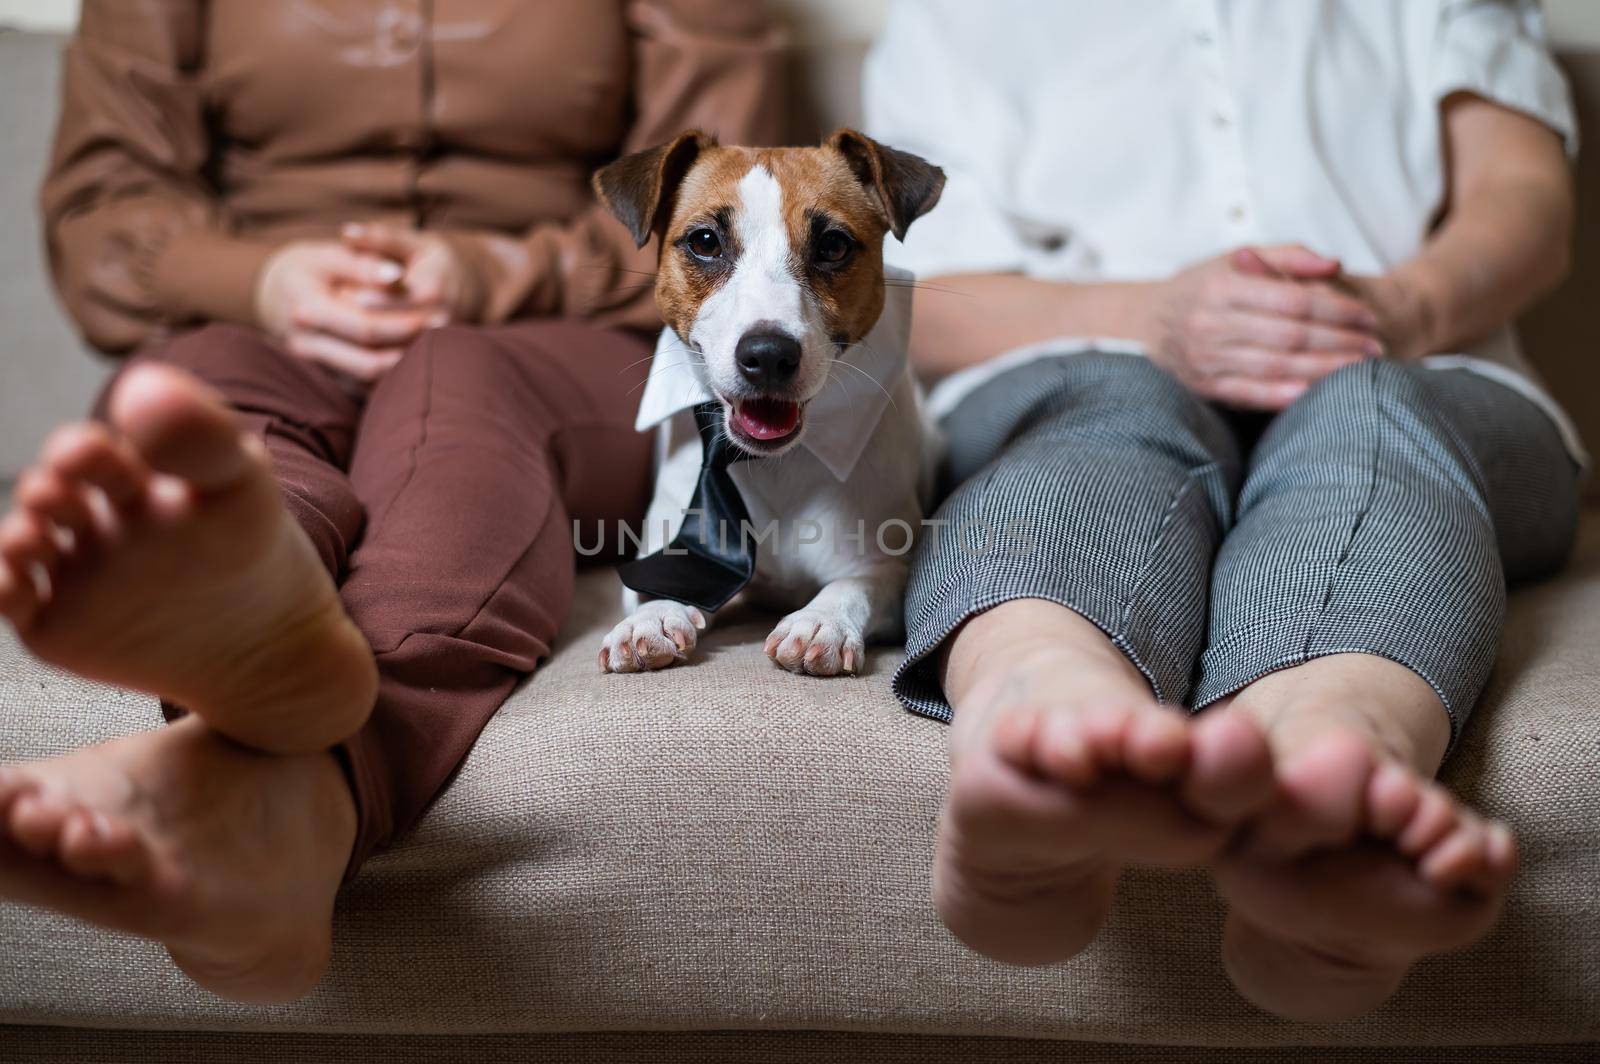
x=1204 y=39
x=1237 y=213
x=1220 y=120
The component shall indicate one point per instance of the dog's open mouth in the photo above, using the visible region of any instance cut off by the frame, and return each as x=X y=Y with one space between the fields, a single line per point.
x=767 y=422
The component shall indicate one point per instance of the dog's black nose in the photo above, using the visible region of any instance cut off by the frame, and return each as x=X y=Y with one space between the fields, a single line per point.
x=767 y=358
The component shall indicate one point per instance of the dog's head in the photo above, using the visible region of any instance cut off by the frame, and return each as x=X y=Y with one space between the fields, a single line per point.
x=771 y=260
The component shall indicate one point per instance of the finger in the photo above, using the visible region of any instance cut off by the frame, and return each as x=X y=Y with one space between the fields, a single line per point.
x=399 y=297
x=378 y=239
x=361 y=363
x=1254 y=393
x=1300 y=301
x=1286 y=260
x=359 y=268
x=1290 y=334
x=1265 y=363
x=426 y=280
x=1250 y=261
x=359 y=325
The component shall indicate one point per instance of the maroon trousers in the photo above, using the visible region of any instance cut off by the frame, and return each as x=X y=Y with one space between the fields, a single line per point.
x=443 y=504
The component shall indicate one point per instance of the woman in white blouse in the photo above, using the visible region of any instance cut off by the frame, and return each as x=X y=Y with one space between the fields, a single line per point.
x=1298 y=510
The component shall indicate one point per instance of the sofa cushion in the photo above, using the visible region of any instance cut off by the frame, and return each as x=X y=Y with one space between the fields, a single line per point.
x=725 y=845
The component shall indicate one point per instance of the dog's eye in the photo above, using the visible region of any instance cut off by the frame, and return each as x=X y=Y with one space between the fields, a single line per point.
x=833 y=247
x=704 y=244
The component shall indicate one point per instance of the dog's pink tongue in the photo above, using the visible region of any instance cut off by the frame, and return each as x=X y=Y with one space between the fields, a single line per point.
x=768 y=419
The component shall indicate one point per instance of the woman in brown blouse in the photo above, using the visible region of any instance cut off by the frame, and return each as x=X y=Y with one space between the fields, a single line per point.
x=383 y=357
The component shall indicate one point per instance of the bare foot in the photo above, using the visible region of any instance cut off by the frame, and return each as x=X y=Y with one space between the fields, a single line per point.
x=1360 y=868
x=144 y=835
x=1066 y=771
x=157 y=554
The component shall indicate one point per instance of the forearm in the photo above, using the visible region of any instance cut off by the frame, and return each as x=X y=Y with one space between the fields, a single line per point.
x=1495 y=255
x=961 y=320
x=130 y=270
x=1505 y=237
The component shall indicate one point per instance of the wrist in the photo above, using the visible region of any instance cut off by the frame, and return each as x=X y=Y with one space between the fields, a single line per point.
x=206 y=275
x=1136 y=310
x=1421 y=303
x=475 y=264
x=261 y=290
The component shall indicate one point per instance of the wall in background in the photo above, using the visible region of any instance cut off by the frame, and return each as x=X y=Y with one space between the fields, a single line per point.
x=1571 y=20
x=39 y=14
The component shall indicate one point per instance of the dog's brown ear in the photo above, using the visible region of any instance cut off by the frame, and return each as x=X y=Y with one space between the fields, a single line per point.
x=908 y=185
x=639 y=188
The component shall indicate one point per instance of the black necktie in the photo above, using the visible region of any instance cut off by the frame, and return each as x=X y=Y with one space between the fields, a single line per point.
x=710 y=560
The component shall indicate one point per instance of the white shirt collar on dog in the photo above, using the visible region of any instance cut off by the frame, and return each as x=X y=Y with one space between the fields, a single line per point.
x=842 y=419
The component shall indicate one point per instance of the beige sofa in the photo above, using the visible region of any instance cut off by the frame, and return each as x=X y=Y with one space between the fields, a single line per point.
x=725 y=862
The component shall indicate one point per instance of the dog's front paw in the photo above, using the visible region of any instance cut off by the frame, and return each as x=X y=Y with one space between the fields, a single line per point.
x=656 y=635
x=815 y=643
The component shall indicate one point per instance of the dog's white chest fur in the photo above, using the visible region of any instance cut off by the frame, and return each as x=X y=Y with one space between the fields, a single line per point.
x=815 y=528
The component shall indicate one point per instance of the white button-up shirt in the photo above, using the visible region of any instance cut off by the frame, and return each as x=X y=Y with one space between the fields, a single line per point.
x=1111 y=140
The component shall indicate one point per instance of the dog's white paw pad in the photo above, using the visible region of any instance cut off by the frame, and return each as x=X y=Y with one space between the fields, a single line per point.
x=816 y=644
x=657 y=635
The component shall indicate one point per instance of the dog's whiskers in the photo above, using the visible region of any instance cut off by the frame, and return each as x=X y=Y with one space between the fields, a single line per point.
x=923 y=286
x=875 y=383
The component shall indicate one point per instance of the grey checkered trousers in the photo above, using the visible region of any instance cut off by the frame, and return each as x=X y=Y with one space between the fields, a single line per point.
x=1382 y=513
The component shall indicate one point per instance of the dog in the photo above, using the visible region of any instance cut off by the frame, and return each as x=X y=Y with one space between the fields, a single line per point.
x=771 y=282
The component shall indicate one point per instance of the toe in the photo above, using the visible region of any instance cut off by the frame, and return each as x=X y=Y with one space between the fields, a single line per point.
x=96 y=846
x=1230 y=769
x=826 y=654
x=621 y=658
x=50 y=495
x=26 y=542
x=655 y=652
x=13 y=785
x=682 y=634
x=1458 y=859
x=19 y=596
x=90 y=454
x=25 y=539
x=1435 y=817
x=1500 y=850
x=182 y=428
x=1104 y=729
x=35 y=822
x=1323 y=790
x=1018 y=737
x=1392 y=798
x=1060 y=752
x=791 y=646
x=1155 y=746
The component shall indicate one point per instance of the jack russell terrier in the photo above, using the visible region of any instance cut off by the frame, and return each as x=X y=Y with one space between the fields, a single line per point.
x=794 y=455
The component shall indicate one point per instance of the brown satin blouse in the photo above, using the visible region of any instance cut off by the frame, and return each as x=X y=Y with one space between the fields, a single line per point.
x=199 y=135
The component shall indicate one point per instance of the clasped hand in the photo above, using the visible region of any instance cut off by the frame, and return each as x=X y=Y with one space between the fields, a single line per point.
x=1257 y=327
x=354 y=304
